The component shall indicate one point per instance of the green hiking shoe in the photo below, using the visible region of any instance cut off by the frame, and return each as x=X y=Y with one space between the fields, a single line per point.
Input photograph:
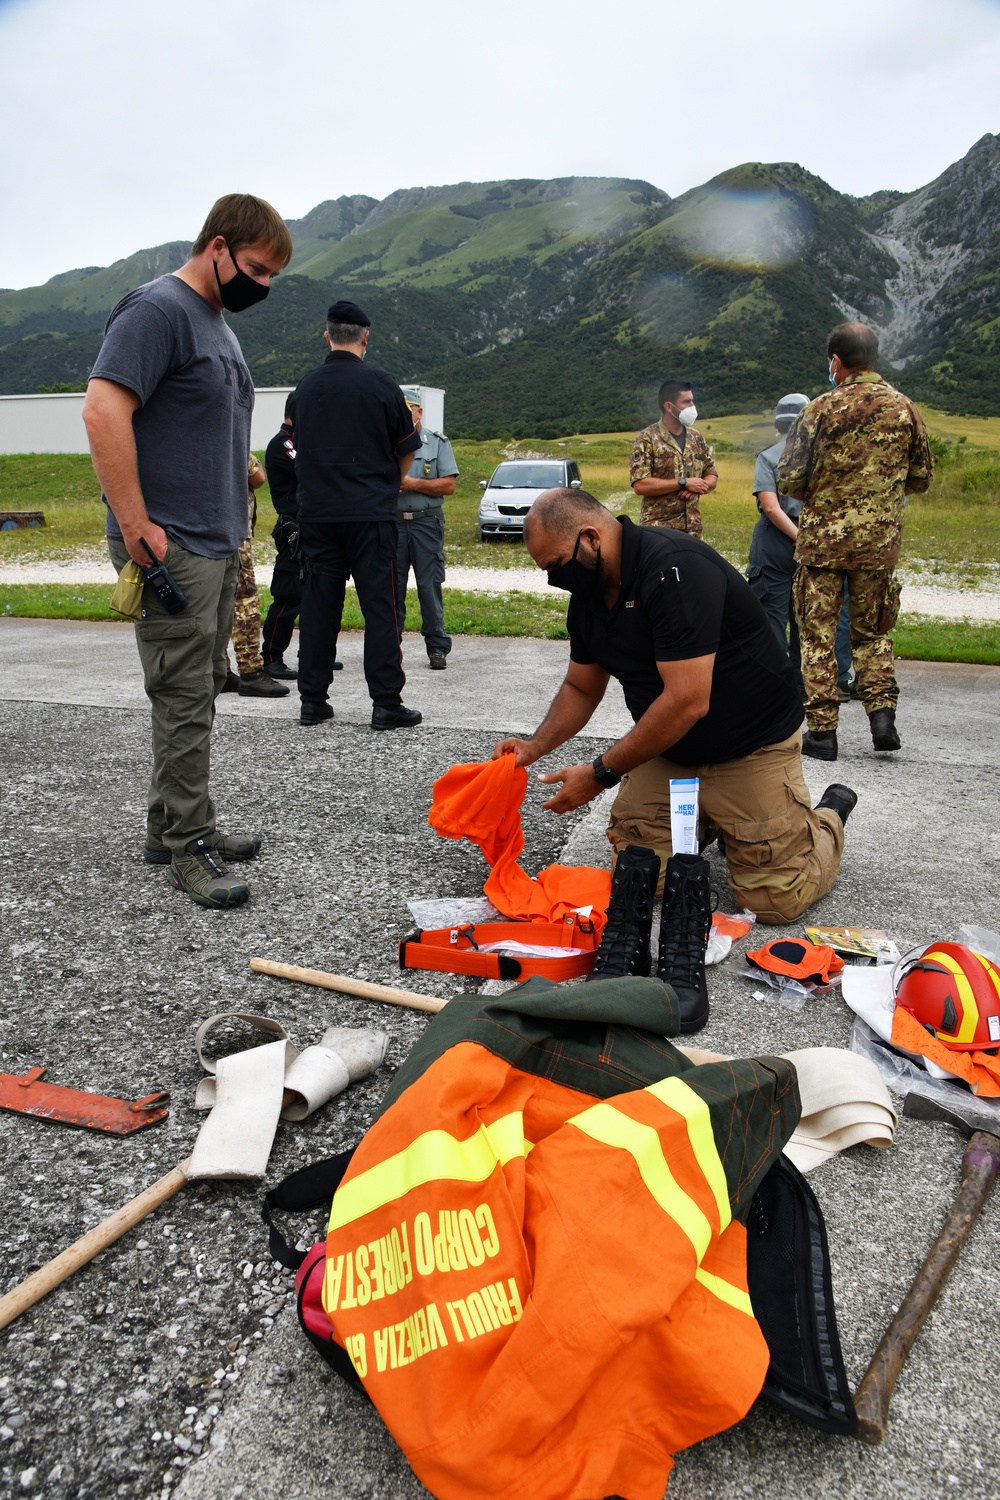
x=232 y=848
x=200 y=873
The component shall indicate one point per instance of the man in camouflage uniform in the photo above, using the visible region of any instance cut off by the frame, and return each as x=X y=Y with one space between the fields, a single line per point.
x=851 y=458
x=250 y=679
x=672 y=465
x=421 y=533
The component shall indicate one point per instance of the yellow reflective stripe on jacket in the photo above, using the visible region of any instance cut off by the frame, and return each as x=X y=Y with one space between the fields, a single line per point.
x=608 y=1125
x=734 y=1296
x=677 y=1096
x=435 y=1156
x=970 y=1010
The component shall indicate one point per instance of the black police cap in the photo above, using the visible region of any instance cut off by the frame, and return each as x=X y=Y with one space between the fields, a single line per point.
x=348 y=312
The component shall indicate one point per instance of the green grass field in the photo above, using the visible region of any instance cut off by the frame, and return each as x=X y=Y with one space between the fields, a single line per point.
x=503 y=614
x=952 y=534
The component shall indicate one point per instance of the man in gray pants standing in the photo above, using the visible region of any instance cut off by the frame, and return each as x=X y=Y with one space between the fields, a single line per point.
x=421 y=533
x=167 y=413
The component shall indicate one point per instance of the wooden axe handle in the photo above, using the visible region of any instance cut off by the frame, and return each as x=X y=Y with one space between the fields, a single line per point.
x=980 y=1165
x=347 y=986
x=56 y=1271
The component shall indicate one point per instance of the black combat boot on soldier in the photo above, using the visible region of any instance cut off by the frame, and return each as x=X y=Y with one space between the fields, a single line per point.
x=885 y=735
x=685 y=923
x=821 y=744
x=625 y=940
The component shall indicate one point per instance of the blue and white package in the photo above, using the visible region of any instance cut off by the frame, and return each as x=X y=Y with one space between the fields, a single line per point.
x=684 y=815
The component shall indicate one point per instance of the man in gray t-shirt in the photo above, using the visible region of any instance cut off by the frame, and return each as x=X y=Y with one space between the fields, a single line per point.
x=168 y=417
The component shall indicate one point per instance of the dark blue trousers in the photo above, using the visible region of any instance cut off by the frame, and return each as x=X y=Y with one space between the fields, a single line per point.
x=332 y=552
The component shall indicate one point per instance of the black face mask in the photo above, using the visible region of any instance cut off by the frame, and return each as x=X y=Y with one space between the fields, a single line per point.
x=578 y=579
x=240 y=293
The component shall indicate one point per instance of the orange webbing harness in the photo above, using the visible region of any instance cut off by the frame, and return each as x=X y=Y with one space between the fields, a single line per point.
x=458 y=950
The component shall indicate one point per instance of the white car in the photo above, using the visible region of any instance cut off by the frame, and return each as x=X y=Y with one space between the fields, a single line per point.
x=515 y=485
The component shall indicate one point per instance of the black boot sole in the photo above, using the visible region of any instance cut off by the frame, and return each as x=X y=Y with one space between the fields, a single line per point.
x=693 y=1019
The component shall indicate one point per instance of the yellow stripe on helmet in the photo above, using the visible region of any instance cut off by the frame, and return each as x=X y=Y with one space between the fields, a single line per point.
x=970 y=1010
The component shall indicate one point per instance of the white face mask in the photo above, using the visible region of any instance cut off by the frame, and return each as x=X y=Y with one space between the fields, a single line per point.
x=688 y=417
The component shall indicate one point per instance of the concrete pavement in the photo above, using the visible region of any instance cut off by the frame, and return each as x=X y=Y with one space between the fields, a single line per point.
x=174 y=1362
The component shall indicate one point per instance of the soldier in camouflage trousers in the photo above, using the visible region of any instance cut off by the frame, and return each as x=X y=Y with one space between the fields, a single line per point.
x=672 y=465
x=252 y=681
x=852 y=457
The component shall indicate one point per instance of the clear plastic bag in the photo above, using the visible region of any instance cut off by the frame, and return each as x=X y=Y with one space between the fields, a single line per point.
x=902 y=1075
x=451 y=911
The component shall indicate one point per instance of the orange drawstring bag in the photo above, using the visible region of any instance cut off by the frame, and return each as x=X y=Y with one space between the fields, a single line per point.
x=481 y=802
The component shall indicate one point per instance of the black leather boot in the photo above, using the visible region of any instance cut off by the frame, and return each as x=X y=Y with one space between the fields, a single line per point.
x=840 y=799
x=685 y=923
x=883 y=727
x=625 y=940
x=820 y=744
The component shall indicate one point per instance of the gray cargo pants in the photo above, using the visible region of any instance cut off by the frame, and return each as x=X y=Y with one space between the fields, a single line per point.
x=421 y=546
x=184 y=667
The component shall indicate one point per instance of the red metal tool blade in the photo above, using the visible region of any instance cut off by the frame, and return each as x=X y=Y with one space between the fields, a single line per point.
x=49 y=1101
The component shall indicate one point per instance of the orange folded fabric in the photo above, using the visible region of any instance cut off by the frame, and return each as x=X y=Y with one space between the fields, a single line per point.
x=481 y=802
x=980 y=1070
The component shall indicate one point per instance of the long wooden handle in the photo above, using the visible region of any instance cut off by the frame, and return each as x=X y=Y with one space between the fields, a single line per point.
x=349 y=986
x=56 y=1271
x=980 y=1165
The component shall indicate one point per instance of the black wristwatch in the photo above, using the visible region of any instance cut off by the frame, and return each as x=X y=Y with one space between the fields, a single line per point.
x=604 y=774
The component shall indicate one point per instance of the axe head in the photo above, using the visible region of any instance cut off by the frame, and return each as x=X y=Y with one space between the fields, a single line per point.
x=967 y=1115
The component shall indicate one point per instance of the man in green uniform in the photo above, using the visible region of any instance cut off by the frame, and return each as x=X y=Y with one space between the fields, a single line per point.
x=250 y=680
x=672 y=465
x=421 y=533
x=852 y=457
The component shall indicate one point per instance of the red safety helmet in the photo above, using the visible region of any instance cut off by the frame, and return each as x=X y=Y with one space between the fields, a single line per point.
x=955 y=993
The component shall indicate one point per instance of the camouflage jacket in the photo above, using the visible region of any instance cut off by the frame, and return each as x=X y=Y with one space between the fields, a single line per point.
x=852 y=456
x=656 y=454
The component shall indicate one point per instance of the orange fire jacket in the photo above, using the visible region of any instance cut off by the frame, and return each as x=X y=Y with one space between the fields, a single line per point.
x=545 y=1292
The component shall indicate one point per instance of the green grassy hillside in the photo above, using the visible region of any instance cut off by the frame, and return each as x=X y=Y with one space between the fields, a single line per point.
x=559 y=305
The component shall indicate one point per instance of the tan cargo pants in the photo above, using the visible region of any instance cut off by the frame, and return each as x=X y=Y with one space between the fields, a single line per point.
x=782 y=853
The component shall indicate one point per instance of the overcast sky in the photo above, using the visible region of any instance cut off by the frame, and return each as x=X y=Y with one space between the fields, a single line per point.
x=122 y=120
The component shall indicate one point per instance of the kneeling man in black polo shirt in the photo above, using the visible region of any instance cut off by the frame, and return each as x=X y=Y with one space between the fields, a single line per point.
x=711 y=693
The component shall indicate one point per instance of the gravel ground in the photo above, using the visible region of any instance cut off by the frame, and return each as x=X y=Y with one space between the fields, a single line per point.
x=111 y=1386
x=173 y=1364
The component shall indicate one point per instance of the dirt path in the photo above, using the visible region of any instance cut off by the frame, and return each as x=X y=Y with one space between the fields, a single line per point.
x=949 y=603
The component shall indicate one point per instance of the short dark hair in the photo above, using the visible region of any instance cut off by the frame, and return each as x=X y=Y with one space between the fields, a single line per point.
x=671 y=389
x=346 y=333
x=244 y=220
x=855 y=345
x=560 y=510
x=288 y=405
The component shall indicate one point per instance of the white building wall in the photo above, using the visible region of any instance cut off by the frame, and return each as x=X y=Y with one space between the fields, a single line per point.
x=53 y=424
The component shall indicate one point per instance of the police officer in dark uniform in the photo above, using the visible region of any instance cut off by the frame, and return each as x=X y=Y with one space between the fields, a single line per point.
x=286 y=580
x=772 y=546
x=354 y=441
x=286 y=584
x=421 y=533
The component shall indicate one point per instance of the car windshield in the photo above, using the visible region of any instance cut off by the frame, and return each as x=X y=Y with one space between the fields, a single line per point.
x=522 y=476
